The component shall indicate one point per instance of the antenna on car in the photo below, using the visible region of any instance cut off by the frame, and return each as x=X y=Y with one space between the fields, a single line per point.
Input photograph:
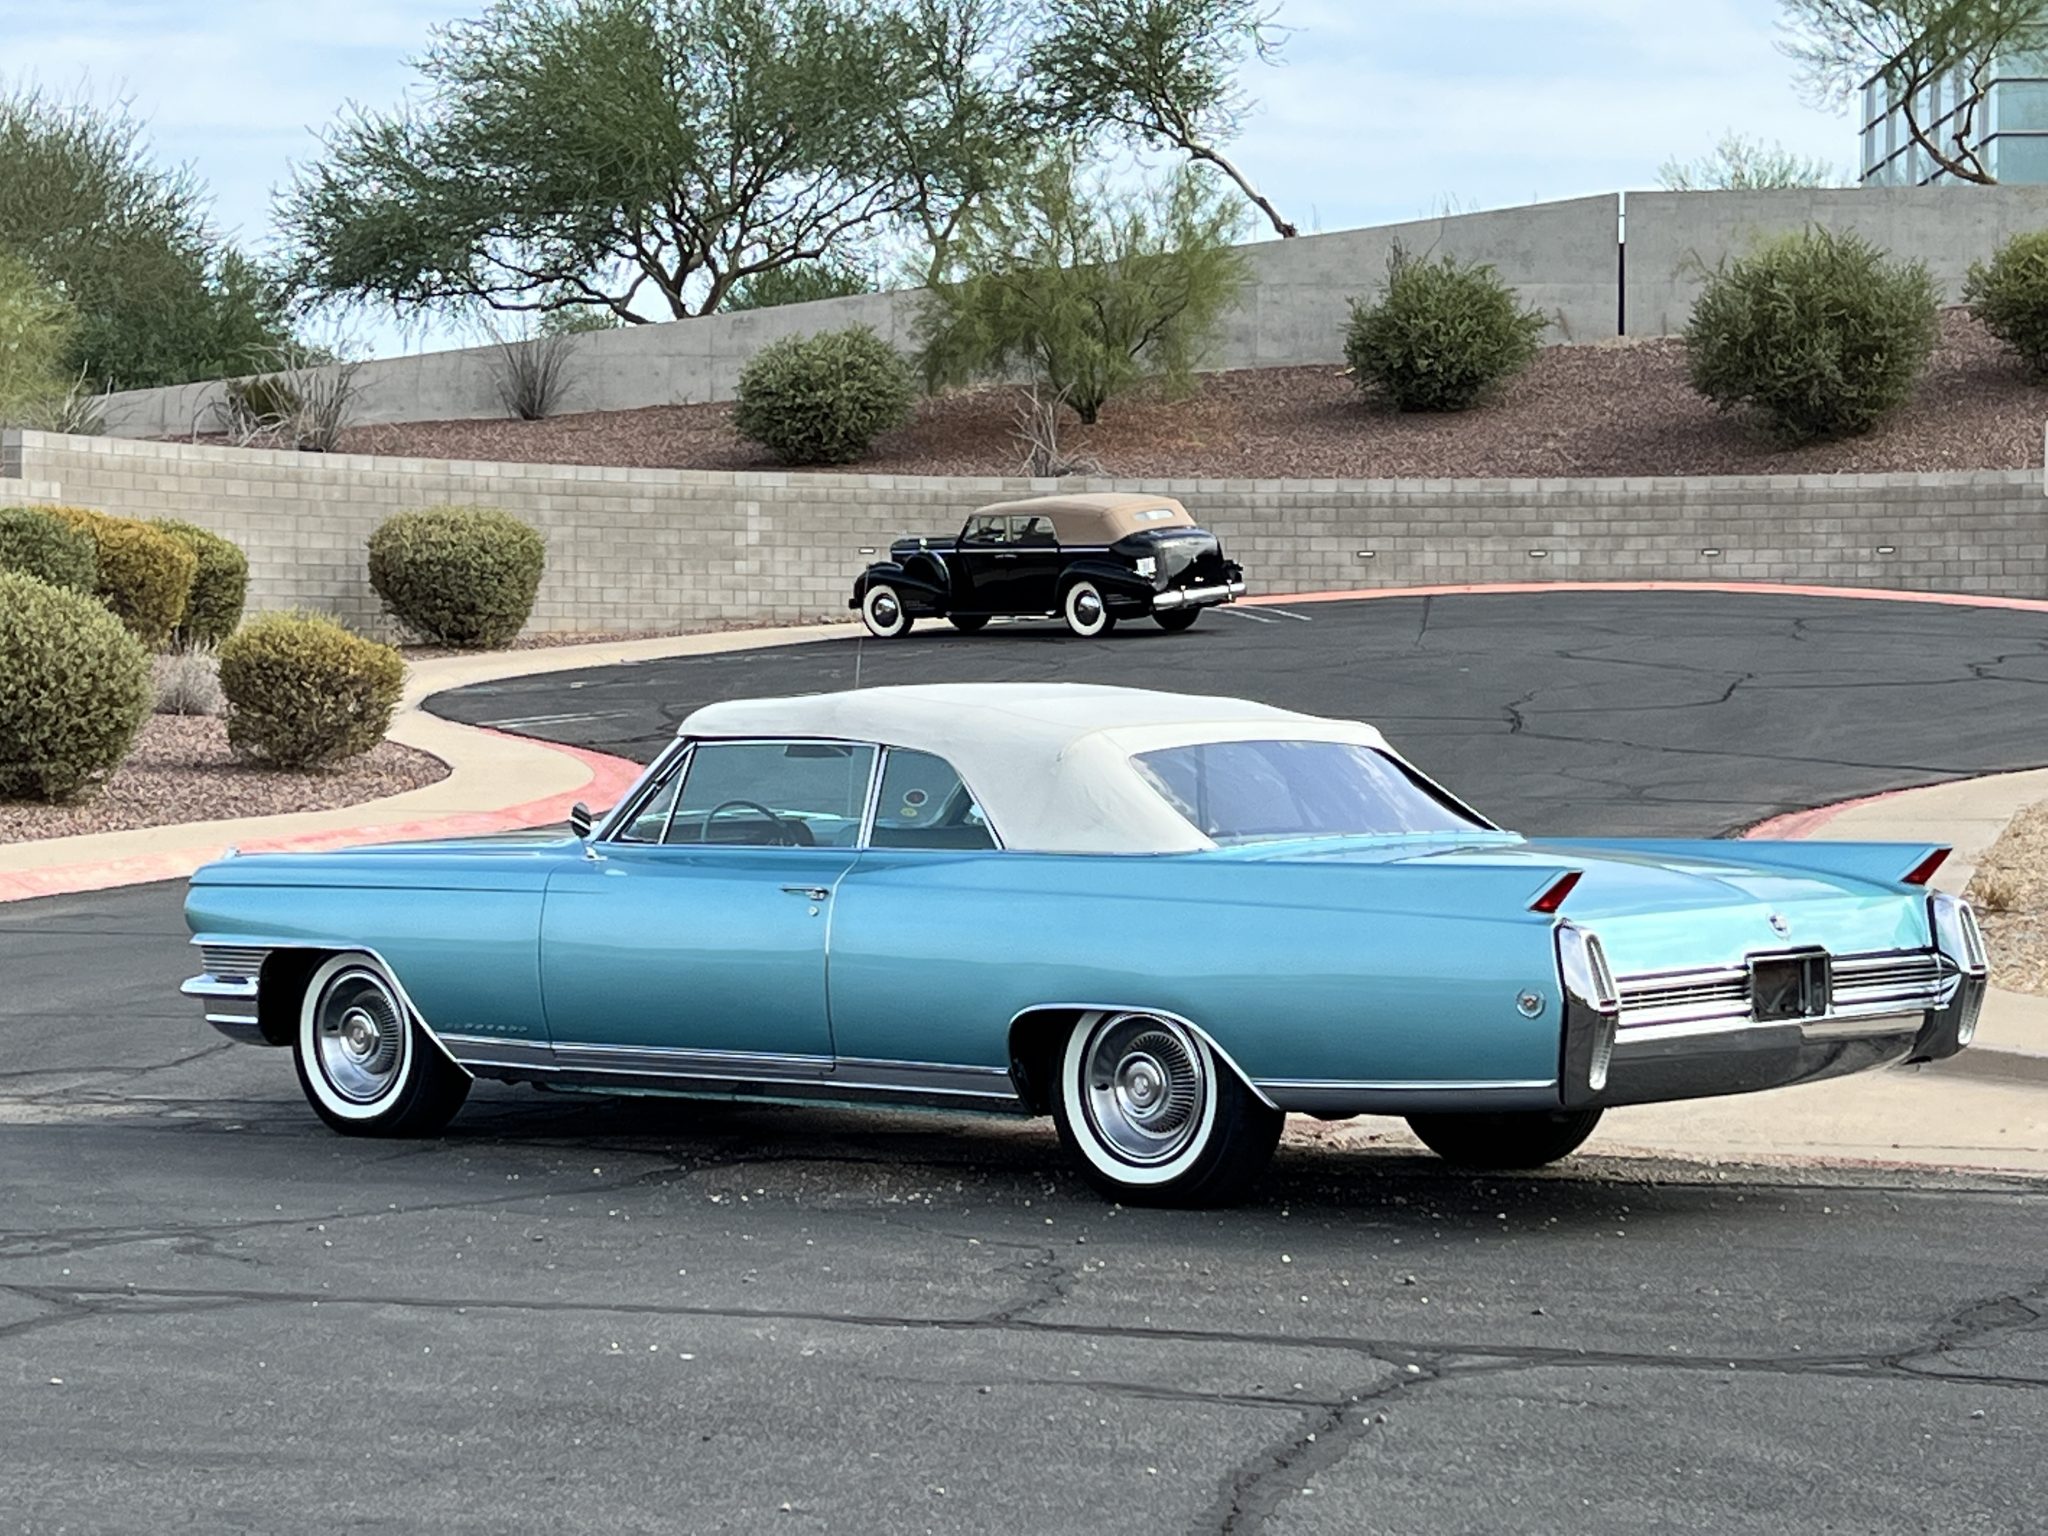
x=860 y=645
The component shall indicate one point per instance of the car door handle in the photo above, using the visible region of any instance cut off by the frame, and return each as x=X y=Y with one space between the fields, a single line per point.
x=808 y=892
x=1006 y=557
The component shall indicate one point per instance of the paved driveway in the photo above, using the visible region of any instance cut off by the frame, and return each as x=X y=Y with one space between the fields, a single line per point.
x=620 y=1315
x=1573 y=712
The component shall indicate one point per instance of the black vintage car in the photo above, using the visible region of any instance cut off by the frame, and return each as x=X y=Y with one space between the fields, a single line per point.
x=1088 y=559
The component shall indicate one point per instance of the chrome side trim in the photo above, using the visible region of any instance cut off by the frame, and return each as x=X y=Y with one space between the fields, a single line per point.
x=1339 y=1100
x=1210 y=1040
x=689 y=1068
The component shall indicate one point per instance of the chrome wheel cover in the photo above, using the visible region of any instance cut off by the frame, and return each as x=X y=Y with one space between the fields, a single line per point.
x=1143 y=1088
x=359 y=1036
x=1085 y=610
x=883 y=610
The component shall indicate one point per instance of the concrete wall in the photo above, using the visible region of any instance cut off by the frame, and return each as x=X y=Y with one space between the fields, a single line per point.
x=651 y=550
x=1675 y=238
x=1560 y=255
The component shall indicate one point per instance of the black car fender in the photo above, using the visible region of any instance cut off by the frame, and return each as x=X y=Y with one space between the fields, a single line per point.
x=921 y=580
x=1119 y=583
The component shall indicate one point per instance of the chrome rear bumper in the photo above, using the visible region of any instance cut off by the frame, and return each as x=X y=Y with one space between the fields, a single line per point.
x=1694 y=1034
x=1197 y=597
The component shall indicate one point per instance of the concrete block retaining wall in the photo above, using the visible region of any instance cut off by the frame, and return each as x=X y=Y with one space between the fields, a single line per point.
x=1562 y=257
x=650 y=550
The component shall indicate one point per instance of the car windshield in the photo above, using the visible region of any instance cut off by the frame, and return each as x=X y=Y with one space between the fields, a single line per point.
x=1264 y=791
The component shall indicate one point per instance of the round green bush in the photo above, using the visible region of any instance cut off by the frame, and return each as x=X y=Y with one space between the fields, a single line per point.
x=37 y=543
x=74 y=687
x=458 y=575
x=1820 y=332
x=823 y=399
x=220 y=583
x=1441 y=334
x=145 y=575
x=303 y=691
x=2009 y=297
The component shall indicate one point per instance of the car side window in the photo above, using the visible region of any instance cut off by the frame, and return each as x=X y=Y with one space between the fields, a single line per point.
x=773 y=794
x=924 y=804
x=1032 y=532
x=986 y=530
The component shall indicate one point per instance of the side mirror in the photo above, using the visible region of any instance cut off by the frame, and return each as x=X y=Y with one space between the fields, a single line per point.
x=580 y=820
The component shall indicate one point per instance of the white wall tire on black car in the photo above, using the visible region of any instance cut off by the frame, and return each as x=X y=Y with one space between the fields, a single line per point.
x=367 y=1066
x=1086 y=610
x=884 y=612
x=1155 y=1116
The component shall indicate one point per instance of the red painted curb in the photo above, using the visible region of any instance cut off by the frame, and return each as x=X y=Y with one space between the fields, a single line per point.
x=609 y=779
x=1794 y=825
x=1863 y=594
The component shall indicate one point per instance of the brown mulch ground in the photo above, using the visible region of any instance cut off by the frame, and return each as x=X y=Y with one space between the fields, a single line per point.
x=1611 y=408
x=181 y=770
x=2010 y=892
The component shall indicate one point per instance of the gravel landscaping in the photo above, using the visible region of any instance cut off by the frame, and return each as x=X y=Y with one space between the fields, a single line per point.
x=181 y=771
x=1610 y=408
x=2010 y=892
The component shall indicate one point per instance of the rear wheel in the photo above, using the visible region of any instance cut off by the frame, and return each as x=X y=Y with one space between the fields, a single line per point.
x=883 y=610
x=968 y=623
x=1154 y=1117
x=367 y=1066
x=1087 y=610
x=1525 y=1140
x=1174 y=620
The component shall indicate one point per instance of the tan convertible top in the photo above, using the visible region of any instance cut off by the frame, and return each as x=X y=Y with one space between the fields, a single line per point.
x=1098 y=519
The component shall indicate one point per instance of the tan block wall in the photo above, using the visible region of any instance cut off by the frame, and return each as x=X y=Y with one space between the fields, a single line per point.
x=650 y=550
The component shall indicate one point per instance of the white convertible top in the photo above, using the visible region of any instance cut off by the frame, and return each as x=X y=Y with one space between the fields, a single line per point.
x=1049 y=763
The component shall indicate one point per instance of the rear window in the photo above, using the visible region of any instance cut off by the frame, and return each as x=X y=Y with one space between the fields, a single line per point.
x=1262 y=791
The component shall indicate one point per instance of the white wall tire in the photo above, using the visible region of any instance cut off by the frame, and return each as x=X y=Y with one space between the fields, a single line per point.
x=1086 y=610
x=365 y=1063
x=884 y=612
x=1154 y=1116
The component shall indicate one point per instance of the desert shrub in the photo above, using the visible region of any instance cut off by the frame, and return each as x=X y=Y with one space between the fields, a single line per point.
x=145 y=575
x=303 y=691
x=458 y=575
x=37 y=543
x=74 y=687
x=823 y=399
x=220 y=584
x=1441 y=334
x=187 y=682
x=2009 y=297
x=1820 y=332
x=531 y=374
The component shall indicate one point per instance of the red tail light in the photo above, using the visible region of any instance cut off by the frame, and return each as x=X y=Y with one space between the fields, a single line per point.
x=1923 y=872
x=1554 y=894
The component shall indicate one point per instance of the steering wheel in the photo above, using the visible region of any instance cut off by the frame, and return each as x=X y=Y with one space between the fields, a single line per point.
x=785 y=834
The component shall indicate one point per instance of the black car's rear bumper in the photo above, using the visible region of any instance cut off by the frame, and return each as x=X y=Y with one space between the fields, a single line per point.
x=1196 y=597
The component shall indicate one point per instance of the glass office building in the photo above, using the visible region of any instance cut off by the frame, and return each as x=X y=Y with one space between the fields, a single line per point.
x=2007 y=124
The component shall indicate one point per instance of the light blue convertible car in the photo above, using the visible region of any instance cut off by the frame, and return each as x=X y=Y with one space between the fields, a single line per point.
x=1165 y=920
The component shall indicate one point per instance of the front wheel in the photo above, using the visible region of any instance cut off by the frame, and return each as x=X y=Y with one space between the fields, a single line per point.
x=1087 y=610
x=1154 y=1117
x=884 y=612
x=1174 y=620
x=1505 y=1141
x=367 y=1066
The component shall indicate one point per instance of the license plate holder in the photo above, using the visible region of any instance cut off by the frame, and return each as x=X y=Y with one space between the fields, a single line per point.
x=1789 y=986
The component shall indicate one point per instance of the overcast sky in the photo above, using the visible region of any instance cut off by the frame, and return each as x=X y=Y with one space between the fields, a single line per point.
x=1381 y=109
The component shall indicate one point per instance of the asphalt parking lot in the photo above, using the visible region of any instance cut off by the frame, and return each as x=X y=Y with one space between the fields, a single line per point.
x=634 y=1315
x=1629 y=713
